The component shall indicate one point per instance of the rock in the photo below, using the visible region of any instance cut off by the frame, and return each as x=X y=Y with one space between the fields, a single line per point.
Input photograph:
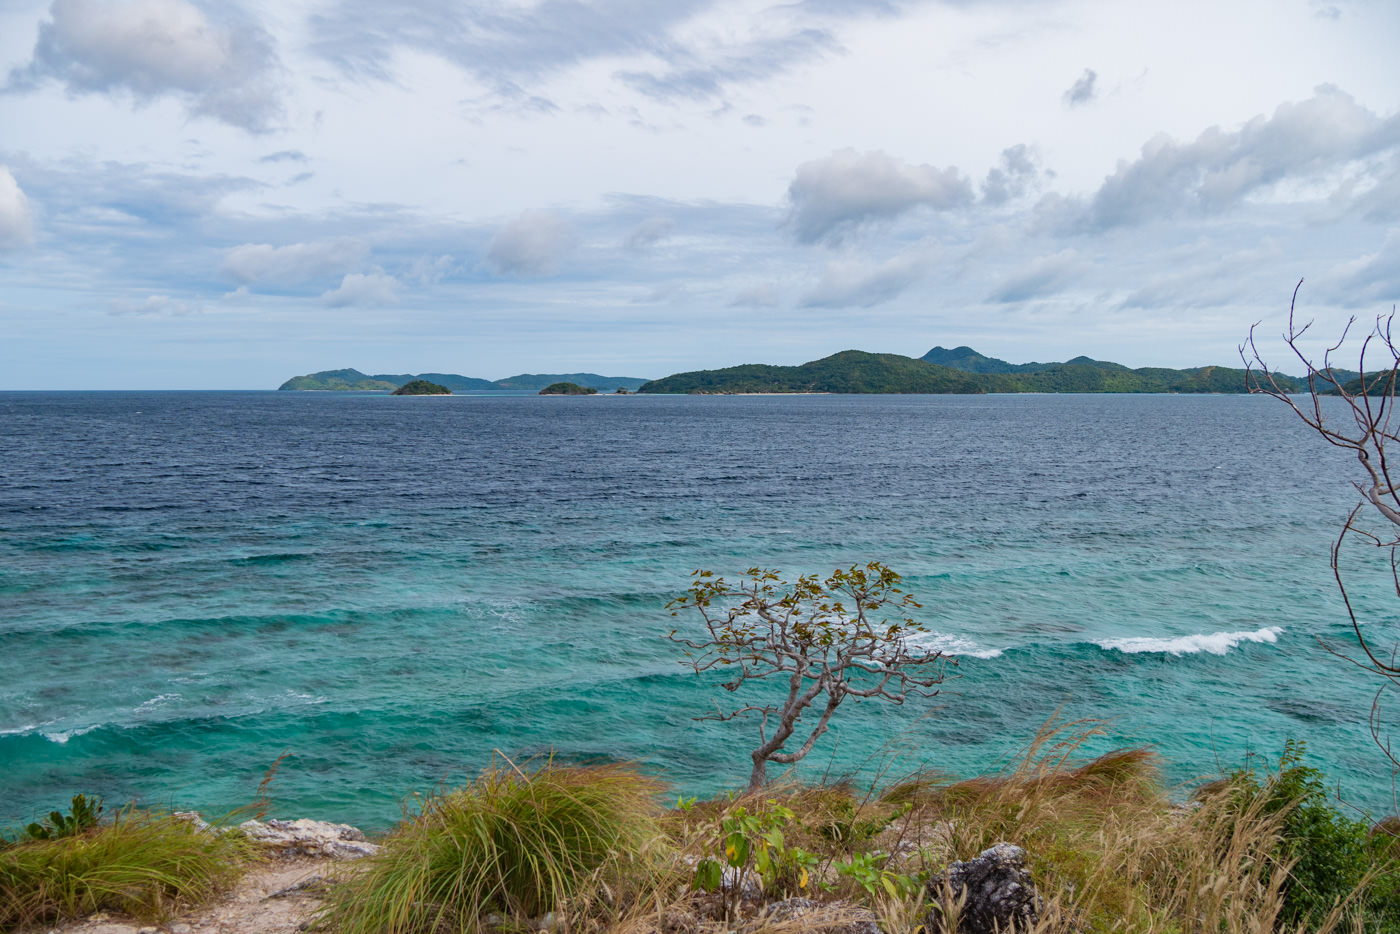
x=193 y=818
x=309 y=838
x=819 y=918
x=313 y=884
x=746 y=882
x=995 y=889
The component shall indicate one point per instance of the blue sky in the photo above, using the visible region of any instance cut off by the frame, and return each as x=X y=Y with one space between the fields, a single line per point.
x=223 y=195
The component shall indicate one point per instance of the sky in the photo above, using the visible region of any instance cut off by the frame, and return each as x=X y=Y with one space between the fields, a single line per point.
x=202 y=195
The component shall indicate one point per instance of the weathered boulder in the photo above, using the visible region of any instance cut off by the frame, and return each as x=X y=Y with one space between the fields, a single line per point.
x=309 y=838
x=995 y=891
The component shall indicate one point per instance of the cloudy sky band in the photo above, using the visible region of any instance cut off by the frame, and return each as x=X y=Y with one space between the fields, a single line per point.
x=198 y=195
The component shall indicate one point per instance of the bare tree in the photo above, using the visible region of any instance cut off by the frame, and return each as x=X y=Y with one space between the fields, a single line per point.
x=1361 y=417
x=823 y=637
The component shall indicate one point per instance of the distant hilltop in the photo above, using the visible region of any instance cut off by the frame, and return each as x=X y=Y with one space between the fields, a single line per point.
x=355 y=381
x=960 y=370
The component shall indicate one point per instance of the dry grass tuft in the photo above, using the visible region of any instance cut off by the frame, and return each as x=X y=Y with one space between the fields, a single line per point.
x=580 y=842
x=143 y=864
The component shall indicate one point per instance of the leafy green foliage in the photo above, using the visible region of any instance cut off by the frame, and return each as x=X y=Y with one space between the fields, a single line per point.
x=83 y=815
x=512 y=843
x=867 y=870
x=753 y=846
x=1331 y=855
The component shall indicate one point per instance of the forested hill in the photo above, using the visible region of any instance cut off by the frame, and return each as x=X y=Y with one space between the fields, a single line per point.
x=355 y=381
x=965 y=372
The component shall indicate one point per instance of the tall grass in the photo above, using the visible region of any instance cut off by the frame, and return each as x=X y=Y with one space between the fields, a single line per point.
x=1110 y=852
x=562 y=839
x=143 y=864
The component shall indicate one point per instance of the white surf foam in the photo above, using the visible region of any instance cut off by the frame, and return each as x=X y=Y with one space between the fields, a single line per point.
x=63 y=736
x=1216 y=643
x=951 y=645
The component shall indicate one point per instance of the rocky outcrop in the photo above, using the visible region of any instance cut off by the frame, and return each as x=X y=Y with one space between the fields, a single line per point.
x=315 y=838
x=992 y=893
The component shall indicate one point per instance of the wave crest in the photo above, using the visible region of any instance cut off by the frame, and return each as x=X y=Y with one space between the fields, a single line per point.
x=1216 y=643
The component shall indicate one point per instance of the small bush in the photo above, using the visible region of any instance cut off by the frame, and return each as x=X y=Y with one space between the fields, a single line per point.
x=142 y=864
x=1332 y=858
x=511 y=844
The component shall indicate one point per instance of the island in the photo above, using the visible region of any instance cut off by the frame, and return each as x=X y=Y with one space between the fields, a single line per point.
x=961 y=370
x=567 y=389
x=352 y=380
x=421 y=387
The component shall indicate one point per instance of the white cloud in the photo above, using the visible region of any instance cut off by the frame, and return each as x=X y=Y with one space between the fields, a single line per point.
x=763 y=295
x=833 y=196
x=531 y=245
x=1044 y=276
x=1221 y=168
x=16 y=219
x=1370 y=280
x=265 y=264
x=153 y=305
x=850 y=282
x=150 y=48
x=372 y=289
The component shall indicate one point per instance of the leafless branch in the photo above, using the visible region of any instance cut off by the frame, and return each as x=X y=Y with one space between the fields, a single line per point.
x=1361 y=421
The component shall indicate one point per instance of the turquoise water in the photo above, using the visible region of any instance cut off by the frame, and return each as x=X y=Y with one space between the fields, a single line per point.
x=386 y=589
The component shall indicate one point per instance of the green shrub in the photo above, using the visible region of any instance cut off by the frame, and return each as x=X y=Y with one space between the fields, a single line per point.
x=1333 y=857
x=511 y=844
x=142 y=864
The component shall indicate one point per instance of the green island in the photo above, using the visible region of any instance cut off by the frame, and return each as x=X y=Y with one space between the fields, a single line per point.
x=422 y=387
x=961 y=370
x=567 y=389
x=352 y=380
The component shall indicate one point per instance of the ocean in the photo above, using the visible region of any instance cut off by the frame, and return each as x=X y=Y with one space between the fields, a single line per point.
x=385 y=591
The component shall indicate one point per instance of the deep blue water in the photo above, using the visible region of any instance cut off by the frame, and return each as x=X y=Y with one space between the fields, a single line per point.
x=388 y=588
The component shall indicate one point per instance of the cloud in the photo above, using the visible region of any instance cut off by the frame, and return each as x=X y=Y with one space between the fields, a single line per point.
x=699 y=75
x=286 y=155
x=763 y=295
x=265 y=264
x=831 y=197
x=1083 y=90
x=431 y=271
x=1220 y=168
x=153 y=305
x=499 y=43
x=1041 y=278
x=531 y=245
x=650 y=232
x=151 y=48
x=1370 y=280
x=1017 y=174
x=371 y=289
x=849 y=282
x=16 y=219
